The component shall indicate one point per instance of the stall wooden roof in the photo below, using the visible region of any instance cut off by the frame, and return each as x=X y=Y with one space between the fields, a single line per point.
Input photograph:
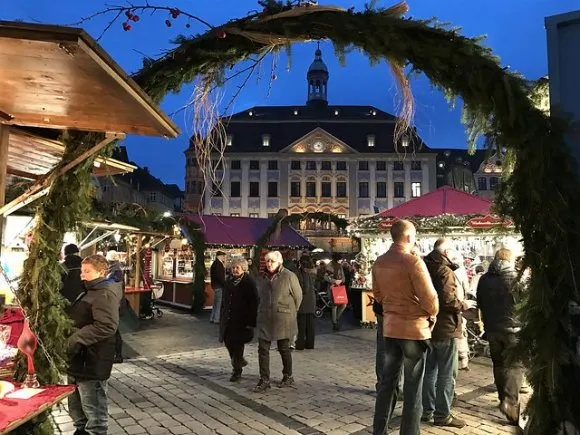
x=59 y=77
x=30 y=156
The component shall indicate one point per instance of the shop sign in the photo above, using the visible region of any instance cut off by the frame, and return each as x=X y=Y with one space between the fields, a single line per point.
x=387 y=224
x=488 y=221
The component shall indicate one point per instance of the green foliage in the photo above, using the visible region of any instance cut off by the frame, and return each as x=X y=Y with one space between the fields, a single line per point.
x=541 y=194
x=293 y=220
x=197 y=239
x=67 y=202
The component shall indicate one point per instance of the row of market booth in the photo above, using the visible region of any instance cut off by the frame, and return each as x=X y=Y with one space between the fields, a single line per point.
x=465 y=219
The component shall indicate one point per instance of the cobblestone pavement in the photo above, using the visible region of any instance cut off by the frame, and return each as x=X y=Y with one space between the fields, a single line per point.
x=177 y=383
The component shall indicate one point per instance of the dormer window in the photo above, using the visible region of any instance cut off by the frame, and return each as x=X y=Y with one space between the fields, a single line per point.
x=229 y=140
x=295 y=112
x=265 y=140
x=374 y=112
x=251 y=113
x=336 y=112
x=371 y=140
x=405 y=141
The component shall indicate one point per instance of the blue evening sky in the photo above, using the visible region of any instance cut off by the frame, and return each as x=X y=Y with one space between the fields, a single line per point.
x=514 y=30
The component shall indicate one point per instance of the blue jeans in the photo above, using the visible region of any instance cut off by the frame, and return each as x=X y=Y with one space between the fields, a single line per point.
x=409 y=354
x=439 y=383
x=217 y=305
x=87 y=406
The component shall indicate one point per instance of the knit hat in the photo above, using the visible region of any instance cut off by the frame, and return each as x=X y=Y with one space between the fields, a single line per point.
x=71 y=249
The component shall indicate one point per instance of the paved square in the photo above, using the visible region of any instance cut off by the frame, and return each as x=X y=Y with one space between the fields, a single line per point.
x=179 y=385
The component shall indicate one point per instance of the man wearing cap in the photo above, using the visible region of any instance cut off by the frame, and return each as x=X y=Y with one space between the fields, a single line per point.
x=72 y=285
x=218 y=280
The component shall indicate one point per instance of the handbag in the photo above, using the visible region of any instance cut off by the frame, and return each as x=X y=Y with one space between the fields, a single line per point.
x=339 y=295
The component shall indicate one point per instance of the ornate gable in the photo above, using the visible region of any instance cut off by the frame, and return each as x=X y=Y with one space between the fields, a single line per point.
x=319 y=141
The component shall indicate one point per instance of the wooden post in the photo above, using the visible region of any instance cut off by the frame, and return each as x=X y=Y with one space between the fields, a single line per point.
x=4 y=135
x=138 y=261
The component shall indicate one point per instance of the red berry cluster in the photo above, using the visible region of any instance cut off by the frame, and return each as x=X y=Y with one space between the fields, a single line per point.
x=130 y=17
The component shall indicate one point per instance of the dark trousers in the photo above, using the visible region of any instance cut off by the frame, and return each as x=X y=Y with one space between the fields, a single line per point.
x=409 y=354
x=264 y=357
x=508 y=376
x=118 y=344
x=236 y=351
x=380 y=360
x=305 y=338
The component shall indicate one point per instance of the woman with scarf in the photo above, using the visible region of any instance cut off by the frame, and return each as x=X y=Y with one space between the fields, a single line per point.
x=280 y=296
x=238 y=315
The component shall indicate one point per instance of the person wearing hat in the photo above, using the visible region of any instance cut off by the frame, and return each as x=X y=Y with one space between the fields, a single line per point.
x=72 y=285
x=217 y=274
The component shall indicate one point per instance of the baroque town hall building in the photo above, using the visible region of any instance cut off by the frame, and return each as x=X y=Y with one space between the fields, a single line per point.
x=317 y=157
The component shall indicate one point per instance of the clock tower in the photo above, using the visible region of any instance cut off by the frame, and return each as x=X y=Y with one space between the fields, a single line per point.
x=317 y=78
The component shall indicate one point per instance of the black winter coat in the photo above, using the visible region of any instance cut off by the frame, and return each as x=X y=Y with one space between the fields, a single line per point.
x=307 y=280
x=96 y=315
x=449 y=322
x=217 y=274
x=497 y=296
x=72 y=285
x=239 y=310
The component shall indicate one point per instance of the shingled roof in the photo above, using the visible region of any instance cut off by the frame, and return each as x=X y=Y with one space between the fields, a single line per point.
x=287 y=124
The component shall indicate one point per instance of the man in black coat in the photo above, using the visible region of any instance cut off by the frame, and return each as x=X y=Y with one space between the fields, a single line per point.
x=95 y=314
x=217 y=274
x=497 y=296
x=239 y=310
x=72 y=285
x=306 y=325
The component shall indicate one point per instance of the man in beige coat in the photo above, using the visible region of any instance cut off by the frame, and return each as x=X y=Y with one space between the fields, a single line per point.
x=401 y=283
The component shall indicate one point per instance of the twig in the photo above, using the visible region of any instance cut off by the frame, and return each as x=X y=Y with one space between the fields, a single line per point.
x=137 y=8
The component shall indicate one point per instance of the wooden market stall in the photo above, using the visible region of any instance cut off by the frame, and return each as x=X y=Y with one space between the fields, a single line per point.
x=463 y=218
x=236 y=236
x=57 y=78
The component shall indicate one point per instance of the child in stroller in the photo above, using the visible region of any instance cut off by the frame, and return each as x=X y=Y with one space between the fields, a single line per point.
x=150 y=309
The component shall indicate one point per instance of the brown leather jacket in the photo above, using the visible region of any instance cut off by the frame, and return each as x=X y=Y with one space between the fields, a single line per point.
x=403 y=286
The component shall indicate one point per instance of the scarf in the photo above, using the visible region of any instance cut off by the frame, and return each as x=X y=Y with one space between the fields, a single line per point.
x=271 y=275
x=236 y=281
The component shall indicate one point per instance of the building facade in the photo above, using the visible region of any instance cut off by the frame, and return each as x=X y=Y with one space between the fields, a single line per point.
x=317 y=157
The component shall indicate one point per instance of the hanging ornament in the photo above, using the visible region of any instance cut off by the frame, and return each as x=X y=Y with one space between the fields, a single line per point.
x=168 y=23
x=221 y=34
x=274 y=76
x=126 y=27
x=27 y=345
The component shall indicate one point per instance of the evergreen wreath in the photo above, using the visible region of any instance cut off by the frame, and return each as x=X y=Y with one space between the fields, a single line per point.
x=283 y=218
x=538 y=196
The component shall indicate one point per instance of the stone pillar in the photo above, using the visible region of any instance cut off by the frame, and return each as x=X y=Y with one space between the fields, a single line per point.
x=425 y=187
x=245 y=186
x=284 y=182
x=407 y=181
x=372 y=184
x=263 y=188
x=352 y=188
x=390 y=185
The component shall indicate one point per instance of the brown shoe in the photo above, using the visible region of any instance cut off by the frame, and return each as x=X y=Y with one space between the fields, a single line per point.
x=511 y=412
x=451 y=421
x=262 y=386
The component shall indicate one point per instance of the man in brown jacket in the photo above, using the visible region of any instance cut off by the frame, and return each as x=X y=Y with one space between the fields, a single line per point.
x=402 y=285
x=441 y=367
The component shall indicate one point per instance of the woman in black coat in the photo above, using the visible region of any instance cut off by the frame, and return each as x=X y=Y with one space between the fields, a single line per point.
x=307 y=278
x=239 y=310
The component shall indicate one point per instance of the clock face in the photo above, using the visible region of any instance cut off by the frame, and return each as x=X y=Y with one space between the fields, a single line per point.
x=318 y=146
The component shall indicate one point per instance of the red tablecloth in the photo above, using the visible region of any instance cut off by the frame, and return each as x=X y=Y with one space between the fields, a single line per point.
x=14 y=412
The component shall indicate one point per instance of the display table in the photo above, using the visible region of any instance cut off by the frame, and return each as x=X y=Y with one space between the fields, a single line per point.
x=362 y=304
x=133 y=296
x=178 y=293
x=16 y=412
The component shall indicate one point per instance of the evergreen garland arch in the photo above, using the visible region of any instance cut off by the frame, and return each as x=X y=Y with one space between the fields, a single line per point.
x=282 y=218
x=539 y=195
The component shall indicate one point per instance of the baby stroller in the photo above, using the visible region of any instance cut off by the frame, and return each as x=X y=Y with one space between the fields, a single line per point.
x=152 y=310
x=478 y=346
x=323 y=302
